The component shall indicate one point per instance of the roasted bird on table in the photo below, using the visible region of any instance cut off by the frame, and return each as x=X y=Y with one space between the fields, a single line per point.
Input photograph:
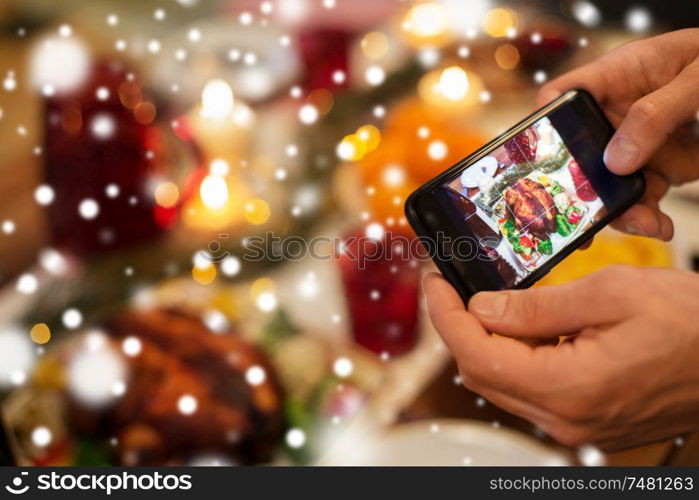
x=180 y=355
x=532 y=207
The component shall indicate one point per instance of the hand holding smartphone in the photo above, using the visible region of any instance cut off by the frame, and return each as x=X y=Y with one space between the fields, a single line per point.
x=505 y=215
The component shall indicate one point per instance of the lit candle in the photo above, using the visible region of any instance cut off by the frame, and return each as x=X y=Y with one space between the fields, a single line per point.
x=221 y=130
x=221 y=124
x=219 y=199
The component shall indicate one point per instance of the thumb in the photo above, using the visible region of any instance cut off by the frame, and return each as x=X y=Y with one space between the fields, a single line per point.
x=550 y=311
x=650 y=120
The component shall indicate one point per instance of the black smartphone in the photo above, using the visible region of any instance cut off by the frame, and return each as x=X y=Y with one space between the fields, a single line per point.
x=505 y=215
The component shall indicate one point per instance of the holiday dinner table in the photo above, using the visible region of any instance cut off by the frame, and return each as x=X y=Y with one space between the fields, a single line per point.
x=158 y=155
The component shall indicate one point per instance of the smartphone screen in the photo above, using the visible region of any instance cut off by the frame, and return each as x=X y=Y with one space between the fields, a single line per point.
x=521 y=204
x=526 y=200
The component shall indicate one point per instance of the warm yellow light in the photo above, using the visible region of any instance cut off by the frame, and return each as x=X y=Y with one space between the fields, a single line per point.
x=204 y=274
x=375 y=45
x=351 y=148
x=499 y=22
x=214 y=191
x=257 y=211
x=218 y=203
x=426 y=20
x=453 y=92
x=40 y=333
x=216 y=99
x=219 y=167
x=453 y=83
x=507 y=56
x=166 y=194
x=370 y=136
x=260 y=286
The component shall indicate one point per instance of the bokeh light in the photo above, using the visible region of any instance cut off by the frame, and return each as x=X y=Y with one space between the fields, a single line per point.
x=40 y=333
x=375 y=45
x=499 y=22
x=507 y=56
x=217 y=99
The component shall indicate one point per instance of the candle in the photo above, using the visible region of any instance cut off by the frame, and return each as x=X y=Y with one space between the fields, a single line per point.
x=221 y=125
x=220 y=128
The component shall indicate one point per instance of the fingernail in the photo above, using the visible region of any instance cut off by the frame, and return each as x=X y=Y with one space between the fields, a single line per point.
x=632 y=228
x=621 y=154
x=488 y=304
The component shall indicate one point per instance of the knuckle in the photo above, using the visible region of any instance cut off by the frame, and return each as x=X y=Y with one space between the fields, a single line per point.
x=469 y=381
x=528 y=306
x=644 y=111
x=573 y=410
x=570 y=435
x=580 y=398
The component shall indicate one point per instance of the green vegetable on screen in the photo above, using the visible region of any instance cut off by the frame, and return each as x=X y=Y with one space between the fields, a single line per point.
x=562 y=226
x=517 y=247
x=546 y=247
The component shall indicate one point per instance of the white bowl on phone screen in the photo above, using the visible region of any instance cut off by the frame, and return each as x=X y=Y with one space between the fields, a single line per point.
x=485 y=167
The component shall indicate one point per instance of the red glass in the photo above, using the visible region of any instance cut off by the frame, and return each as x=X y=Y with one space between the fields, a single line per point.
x=381 y=281
x=79 y=165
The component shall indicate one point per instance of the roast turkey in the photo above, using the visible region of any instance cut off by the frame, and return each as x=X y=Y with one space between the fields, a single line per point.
x=532 y=207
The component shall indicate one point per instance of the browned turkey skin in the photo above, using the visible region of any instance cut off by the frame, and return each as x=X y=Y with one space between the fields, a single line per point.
x=179 y=355
x=532 y=206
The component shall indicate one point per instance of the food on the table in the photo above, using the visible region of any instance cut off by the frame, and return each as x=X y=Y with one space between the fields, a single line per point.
x=482 y=169
x=180 y=356
x=531 y=212
x=583 y=188
x=522 y=148
x=532 y=206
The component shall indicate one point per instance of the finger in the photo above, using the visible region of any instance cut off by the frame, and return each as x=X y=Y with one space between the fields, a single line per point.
x=549 y=311
x=645 y=218
x=516 y=406
x=678 y=158
x=490 y=362
x=642 y=220
x=651 y=120
x=590 y=77
x=546 y=95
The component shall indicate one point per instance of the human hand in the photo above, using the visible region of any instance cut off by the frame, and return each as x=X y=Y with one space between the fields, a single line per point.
x=649 y=91
x=626 y=374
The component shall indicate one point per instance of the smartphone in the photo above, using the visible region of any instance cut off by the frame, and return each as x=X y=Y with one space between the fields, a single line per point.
x=504 y=216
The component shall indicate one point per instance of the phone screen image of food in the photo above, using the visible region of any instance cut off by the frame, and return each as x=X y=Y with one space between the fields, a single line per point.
x=533 y=192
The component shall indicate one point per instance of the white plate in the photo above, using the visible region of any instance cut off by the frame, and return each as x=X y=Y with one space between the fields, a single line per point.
x=485 y=167
x=451 y=442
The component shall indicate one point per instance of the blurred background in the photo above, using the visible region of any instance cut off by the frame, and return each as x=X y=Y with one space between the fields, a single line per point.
x=147 y=143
